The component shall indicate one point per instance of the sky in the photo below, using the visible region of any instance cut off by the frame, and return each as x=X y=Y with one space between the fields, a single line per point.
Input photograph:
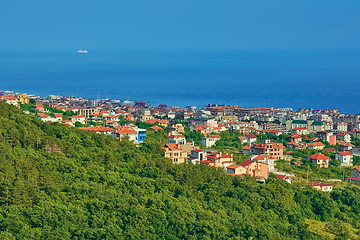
x=179 y=24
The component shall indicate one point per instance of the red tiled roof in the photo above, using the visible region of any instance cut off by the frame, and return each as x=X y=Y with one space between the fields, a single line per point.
x=251 y=136
x=246 y=163
x=321 y=184
x=176 y=136
x=173 y=146
x=316 y=144
x=319 y=156
x=156 y=128
x=295 y=135
x=233 y=166
x=346 y=153
x=97 y=129
x=206 y=161
x=42 y=115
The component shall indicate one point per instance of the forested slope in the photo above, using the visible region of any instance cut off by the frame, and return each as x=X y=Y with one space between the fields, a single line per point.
x=58 y=182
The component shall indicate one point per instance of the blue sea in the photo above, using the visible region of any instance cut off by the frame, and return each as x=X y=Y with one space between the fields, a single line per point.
x=318 y=79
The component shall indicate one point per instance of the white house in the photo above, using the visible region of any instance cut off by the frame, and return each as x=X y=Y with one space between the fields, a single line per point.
x=346 y=158
x=177 y=139
x=210 y=140
x=78 y=118
x=250 y=138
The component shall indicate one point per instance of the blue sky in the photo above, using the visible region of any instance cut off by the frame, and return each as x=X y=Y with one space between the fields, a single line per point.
x=179 y=24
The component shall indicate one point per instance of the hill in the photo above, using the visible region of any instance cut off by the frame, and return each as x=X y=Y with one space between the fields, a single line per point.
x=58 y=182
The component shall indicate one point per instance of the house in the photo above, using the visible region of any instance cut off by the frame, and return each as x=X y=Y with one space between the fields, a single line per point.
x=355 y=176
x=300 y=130
x=175 y=128
x=218 y=158
x=78 y=118
x=273 y=126
x=327 y=136
x=196 y=156
x=250 y=138
x=346 y=158
x=344 y=146
x=243 y=139
x=251 y=168
x=121 y=132
x=296 y=145
x=320 y=159
x=43 y=117
x=98 y=129
x=9 y=99
x=141 y=135
x=331 y=150
x=355 y=151
x=266 y=147
x=57 y=117
x=162 y=123
x=316 y=146
x=320 y=186
x=112 y=124
x=68 y=123
x=178 y=139
x=39 y=107
x=285 y=178
x=270 y=161
x=156 y=128
x=344 y=136
x=246 y=149
x=355 y=173
x=175 y=153
x=210 y=140
x=295 y=137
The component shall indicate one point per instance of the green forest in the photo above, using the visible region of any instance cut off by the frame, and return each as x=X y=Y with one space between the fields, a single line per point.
x=58 y=182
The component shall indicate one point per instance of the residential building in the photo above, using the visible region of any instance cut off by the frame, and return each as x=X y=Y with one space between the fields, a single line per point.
x=251 y=168
x=320 y=159
x=210 y=140
x=274 y=150
x=178 y=139
x=250 y=138
x=346 y=158
x=316 y=146
x=320 y=186
x=175 y=153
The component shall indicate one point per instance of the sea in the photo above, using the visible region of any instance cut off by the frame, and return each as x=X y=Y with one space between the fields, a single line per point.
x=316 y=79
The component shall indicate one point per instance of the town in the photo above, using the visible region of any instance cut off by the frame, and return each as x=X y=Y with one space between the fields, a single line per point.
x=316 y=147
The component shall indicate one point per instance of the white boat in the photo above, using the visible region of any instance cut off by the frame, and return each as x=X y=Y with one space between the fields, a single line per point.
x=82 y=51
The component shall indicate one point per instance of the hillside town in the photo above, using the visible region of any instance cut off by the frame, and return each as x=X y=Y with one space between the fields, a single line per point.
x=258 y=140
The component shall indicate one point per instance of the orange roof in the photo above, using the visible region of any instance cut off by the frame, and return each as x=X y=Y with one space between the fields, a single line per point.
x=319 y=156
x=246 y=163
x=214 y=136
x=172 y=146
x=42 y=115
x=156 y=128
x=176 y=136
x=233 y=166
x=97 y=129
x=346 y=153
x=317 y=144
x=77 y=116
x=126 y=131
x=57 y=115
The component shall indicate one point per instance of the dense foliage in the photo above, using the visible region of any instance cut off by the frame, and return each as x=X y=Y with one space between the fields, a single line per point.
x=58 y=182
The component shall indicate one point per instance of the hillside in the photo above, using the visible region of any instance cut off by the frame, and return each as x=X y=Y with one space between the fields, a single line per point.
x=58 y=182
